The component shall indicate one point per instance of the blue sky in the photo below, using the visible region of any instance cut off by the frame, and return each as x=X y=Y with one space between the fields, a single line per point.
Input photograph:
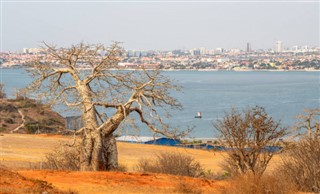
x=160 y=25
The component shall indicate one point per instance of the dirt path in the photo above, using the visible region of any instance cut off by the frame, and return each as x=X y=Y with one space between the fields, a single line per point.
x=23 y=121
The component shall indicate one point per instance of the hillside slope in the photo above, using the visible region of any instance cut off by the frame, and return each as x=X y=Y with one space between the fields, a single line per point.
x=124 y=182
x=13 y=182
x=28 y=116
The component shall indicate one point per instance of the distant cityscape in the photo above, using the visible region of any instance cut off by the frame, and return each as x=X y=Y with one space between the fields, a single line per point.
x=279 y=58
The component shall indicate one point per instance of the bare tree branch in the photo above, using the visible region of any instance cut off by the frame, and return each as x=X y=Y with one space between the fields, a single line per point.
x=87 y=77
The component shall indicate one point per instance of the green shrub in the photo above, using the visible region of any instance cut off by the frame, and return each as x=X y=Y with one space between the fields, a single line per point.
x=9 y=120
x=2 y=129
x=33 y=127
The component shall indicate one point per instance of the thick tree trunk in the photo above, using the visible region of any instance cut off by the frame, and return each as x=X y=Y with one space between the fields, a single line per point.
x=99 y=153
x=98 y=149
x=111 y=152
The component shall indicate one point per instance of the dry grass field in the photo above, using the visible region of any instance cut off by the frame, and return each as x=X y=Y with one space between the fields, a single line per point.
x=20 y=152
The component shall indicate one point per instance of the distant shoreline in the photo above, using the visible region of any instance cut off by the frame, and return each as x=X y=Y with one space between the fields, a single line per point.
x=204 y=70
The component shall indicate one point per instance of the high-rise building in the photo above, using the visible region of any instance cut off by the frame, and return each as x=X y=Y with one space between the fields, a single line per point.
x=203 y=51
x=195 y=52
x=279 y=47
x=248 y=47
x=295 y=48
x=218 y=51
x=25 y=50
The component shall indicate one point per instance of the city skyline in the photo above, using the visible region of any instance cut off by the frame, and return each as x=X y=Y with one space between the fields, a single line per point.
x=246 y=48
x=161 y=26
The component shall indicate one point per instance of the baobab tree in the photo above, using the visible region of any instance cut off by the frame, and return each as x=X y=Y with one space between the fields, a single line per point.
x=87 y=77
x=301 y=163
x=309 y=121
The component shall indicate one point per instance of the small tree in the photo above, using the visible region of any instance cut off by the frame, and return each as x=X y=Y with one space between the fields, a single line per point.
x=87 y=77
x=2 y=93
x=309 y=121
x=246 y=137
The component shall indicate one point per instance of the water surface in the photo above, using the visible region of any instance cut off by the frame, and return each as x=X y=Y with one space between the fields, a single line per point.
x=283 y=94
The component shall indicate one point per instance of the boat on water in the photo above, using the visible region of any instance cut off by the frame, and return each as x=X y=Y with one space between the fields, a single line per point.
x=199 y=115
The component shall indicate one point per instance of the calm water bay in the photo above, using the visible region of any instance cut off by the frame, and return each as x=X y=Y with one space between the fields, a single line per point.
x=283 y=94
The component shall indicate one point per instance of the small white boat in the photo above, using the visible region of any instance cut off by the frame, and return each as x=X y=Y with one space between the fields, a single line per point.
x=199 y=116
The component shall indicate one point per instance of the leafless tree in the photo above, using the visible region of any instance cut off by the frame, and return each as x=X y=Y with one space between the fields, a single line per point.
x=309 y=121
x=246 y=137
x=301 y=163
x=87 y=77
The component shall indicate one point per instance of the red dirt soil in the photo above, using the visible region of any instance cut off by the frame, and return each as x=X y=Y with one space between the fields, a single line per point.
x=124 y=182
x=13 y=182
x=22 y=151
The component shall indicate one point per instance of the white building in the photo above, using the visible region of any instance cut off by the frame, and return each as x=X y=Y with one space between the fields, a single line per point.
x=279 y=47
x=218 y=51
x=32 y=50
x=203 y=51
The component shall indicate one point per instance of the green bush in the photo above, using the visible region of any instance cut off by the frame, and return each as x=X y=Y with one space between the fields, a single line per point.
x=2 y=129
x=33 y=127
x=9 y=120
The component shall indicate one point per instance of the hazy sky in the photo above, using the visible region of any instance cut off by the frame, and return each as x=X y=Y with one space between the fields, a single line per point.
x=160 y=25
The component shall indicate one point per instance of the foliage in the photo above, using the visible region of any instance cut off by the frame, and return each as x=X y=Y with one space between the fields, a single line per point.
x=2 y=129
x=33 y=127
x=9 y=120
x=246 y=137
x=27 y=103
x=8 y=108
x=171 y=163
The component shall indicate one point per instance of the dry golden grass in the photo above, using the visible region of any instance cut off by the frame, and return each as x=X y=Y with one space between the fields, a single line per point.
x=21 y=151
